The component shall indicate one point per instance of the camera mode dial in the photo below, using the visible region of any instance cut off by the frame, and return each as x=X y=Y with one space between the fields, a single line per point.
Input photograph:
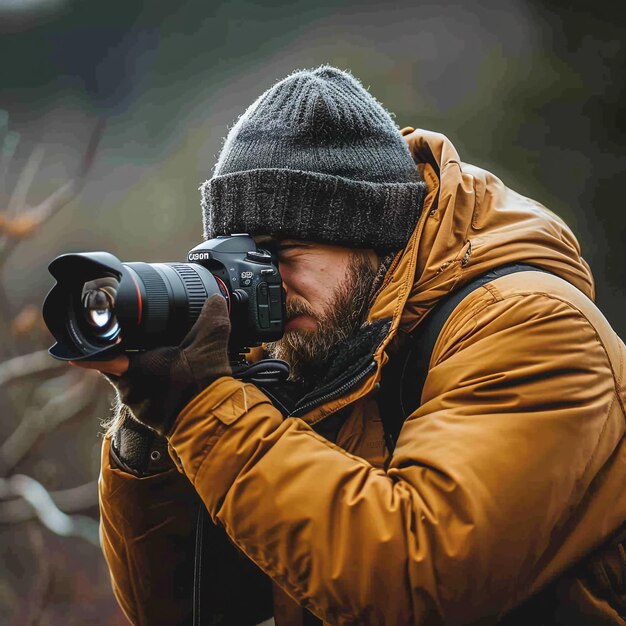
x=258 y=256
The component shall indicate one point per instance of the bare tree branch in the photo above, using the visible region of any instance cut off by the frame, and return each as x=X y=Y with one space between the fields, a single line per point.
x=25 y=181
x=67 y=500
x=62 y=196
x=28 y=366
x=29 y=221
x=63 y=406
x=46 y=510
x=8 y=146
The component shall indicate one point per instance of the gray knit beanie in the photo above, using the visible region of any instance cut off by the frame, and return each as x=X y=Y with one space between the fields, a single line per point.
x=316 y=158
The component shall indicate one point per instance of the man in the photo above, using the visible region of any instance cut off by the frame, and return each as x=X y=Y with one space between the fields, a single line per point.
x=503 y=499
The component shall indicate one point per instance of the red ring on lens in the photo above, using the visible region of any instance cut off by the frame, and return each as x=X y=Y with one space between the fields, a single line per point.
x=139 y=301
x=224 y=290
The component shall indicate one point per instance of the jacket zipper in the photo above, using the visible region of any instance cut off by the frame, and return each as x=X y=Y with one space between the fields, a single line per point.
x=331 y=395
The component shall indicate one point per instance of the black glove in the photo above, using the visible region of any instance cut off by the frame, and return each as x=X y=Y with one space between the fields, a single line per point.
x=160 y=382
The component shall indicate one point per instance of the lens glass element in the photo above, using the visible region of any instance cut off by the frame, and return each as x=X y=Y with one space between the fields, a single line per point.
x=98 y=306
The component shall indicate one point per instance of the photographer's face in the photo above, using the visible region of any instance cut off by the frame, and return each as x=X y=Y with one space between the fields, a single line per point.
x=327 y=289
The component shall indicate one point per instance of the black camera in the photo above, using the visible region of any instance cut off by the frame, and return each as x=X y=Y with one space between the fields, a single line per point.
x=101 y=306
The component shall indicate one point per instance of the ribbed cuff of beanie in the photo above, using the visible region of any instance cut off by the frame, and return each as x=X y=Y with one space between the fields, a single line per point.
x=313 y=207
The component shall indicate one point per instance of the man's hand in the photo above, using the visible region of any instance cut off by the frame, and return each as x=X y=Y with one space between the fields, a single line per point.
x=157 y=384
x=115 y=367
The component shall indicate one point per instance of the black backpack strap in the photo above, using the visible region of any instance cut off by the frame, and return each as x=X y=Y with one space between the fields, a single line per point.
x=269 y=375
x=404 y=376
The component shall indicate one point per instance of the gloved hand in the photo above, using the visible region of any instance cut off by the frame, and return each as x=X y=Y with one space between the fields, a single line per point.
x=160 y=382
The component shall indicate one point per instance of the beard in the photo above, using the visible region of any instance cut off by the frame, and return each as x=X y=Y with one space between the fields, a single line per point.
x=308 y=352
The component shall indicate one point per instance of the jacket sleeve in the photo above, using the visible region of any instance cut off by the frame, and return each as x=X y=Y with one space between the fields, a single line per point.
x=519 y=417
x=148 y=535
x=147 y=531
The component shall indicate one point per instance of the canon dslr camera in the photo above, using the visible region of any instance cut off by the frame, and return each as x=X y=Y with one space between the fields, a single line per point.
x=101 y=306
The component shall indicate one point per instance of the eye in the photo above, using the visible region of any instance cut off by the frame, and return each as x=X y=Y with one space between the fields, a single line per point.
x=284 y=251
x=289 y=252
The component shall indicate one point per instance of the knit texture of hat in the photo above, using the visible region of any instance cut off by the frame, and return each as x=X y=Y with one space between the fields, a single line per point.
x=316 y=158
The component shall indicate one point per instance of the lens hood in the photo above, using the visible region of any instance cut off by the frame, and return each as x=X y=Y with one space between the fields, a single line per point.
x=60 y=306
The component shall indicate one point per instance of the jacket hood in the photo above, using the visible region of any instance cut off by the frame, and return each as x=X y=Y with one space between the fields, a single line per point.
x=470 y=224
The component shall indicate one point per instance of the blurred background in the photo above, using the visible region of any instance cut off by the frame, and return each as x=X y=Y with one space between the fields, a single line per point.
x=111 y=115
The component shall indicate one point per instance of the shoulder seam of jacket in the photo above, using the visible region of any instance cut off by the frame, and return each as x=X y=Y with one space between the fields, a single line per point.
x=497 y=296
x=617 y=380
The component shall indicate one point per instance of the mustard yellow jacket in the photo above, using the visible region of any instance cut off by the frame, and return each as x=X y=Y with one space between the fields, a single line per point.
x=505 y=490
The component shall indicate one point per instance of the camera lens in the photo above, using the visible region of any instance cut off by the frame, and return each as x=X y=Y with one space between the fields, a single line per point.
x=98 y=306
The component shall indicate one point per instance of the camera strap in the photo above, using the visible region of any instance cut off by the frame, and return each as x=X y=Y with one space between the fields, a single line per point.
x=265 y=371
x=197 y=574
x=270 y=375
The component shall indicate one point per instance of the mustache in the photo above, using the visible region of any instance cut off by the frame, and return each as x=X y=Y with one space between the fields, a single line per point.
x=296 y=306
